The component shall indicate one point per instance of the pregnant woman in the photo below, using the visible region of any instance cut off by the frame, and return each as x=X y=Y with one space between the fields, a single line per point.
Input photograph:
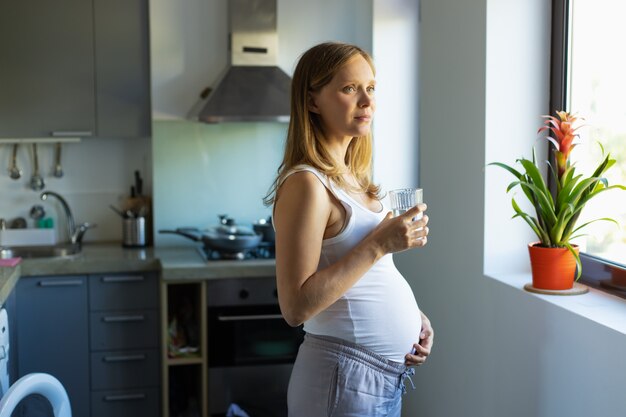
x=334 y=245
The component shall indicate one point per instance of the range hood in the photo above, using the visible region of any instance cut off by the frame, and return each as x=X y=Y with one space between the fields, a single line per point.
x=253 y=88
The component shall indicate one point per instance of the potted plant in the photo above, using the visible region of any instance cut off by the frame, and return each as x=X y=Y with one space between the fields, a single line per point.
x=554 y=259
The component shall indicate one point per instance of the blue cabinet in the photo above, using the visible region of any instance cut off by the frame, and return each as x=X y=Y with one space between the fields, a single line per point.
x=98 y=334
x=52 y=333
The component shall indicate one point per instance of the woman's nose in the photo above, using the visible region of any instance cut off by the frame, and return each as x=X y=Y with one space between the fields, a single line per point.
x=365 y=100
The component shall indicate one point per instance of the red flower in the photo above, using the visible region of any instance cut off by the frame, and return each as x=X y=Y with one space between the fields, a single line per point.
x=564 y=132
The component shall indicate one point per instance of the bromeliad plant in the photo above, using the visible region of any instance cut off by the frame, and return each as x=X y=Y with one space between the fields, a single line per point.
x=558 y=213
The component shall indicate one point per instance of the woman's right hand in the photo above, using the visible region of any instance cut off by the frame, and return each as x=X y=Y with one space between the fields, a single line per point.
x=396 y=234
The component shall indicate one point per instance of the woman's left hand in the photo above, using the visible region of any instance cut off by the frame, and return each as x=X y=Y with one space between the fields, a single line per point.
x=422 y=349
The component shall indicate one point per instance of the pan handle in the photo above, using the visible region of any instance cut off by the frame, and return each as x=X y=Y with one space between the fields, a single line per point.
x=188 y=232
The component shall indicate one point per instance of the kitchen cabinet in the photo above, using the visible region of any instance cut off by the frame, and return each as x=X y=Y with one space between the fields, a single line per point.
x=74 y=68
x=184 y=322
x=52 y=331
x=99 y=335
x=124 y=342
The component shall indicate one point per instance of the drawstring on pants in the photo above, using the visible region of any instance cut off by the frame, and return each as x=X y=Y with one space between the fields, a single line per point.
x=407 y=374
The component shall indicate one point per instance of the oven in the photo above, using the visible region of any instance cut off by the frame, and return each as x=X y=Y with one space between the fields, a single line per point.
x=251 y=347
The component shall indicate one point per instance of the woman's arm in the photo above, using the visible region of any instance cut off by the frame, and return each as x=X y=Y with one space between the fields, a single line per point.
x=302 y=213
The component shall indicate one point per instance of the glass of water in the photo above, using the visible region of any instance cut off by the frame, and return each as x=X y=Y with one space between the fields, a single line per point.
x=404 y=199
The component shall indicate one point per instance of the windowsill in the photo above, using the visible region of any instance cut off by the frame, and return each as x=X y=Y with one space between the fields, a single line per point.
x=605 y=309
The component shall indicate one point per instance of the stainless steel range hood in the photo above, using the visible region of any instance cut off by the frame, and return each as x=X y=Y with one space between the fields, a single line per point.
x=253 y=88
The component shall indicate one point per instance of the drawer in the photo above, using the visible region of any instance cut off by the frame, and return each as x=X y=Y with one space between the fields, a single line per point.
x=123 y=292
x=125 y=403
x=128 y=329
x=125 y=369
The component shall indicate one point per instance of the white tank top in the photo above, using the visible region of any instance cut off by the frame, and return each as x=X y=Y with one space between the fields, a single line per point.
x=379 y=312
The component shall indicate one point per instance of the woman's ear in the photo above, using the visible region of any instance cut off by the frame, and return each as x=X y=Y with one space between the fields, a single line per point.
x=312 y=107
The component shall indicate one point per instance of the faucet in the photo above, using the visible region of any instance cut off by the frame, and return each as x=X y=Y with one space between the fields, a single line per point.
x=74 y=234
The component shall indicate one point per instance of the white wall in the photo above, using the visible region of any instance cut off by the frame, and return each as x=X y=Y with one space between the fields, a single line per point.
x=499 y=351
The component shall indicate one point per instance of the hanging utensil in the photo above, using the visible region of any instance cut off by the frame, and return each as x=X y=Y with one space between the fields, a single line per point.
x=37 y=212
x=118 y=211
x=36 y=181
x=14 y=172
x=58 y=170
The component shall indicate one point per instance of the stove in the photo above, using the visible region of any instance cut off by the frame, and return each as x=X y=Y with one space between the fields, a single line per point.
x=265 y=250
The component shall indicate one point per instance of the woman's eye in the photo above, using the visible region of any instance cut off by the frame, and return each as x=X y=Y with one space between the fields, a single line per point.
x=349 y=89
x=371 y=89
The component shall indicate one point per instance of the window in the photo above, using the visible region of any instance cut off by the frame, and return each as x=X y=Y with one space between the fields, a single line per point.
x=589 y=79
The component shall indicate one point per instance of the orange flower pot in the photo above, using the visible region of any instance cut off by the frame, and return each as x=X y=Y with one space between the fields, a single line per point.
x=552 y=268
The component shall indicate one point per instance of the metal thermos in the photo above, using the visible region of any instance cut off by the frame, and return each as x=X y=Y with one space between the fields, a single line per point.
x=134 y=232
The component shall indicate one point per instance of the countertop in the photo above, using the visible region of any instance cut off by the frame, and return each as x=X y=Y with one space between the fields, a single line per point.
x=173 y=263
x=8 y=278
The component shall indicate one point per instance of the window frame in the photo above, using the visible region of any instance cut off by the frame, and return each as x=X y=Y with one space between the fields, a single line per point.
x=596 y=270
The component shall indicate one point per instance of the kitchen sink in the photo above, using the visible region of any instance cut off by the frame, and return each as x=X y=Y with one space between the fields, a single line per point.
x=49 y=251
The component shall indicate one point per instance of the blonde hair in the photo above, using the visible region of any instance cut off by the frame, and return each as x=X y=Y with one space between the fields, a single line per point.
x=305 y=144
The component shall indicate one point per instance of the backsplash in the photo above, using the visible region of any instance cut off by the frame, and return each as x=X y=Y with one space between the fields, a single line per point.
x=97 y=172
x=203 y=170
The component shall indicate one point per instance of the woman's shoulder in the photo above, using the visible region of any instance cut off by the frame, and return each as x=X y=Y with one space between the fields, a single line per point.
x=304 y=168
x=304 y=181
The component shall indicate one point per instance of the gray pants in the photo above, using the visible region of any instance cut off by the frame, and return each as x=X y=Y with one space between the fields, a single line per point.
x=335 y=378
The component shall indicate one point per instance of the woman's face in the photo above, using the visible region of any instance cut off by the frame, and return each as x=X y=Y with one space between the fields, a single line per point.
x=346 y=105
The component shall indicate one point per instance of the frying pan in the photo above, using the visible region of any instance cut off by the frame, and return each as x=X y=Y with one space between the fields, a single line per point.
x=219 y=241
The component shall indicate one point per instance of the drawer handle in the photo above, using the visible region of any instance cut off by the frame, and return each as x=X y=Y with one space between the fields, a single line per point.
x=250 y=317
x=71 y=133
x=124 y=397
x=125 y=278
x=61 y=283
x=124 y=358
x=116 y=319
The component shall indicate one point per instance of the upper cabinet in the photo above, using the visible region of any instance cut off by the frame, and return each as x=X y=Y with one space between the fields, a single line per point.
x=74 y=68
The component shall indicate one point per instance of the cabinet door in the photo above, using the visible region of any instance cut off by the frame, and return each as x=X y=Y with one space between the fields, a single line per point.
x=46 y=67
x=52 y=333
x=123 y=68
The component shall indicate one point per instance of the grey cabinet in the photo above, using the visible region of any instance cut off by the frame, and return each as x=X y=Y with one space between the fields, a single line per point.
x=47 y=75
x=98 y=334
x=74 y=67
x=124 y=344
x=52 y=333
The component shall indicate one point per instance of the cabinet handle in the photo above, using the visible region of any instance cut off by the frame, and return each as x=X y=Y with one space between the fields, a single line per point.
x=61 y=283
x=250 y=317
x=71 y=133
x=124 y=358
x=124 y=397
x=124 y=278
x=115 y=319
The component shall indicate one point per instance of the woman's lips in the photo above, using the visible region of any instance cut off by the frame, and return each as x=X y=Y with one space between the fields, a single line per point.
x=364 y=118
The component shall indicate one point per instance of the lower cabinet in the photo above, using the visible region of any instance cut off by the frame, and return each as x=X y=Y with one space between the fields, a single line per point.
x=99 y=335
x=52 y=334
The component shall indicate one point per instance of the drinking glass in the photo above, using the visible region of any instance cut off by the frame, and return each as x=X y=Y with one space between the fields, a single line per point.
x=404 y=199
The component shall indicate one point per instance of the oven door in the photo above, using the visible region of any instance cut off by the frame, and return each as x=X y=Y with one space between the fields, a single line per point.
x=251 y=335
x=251 y=354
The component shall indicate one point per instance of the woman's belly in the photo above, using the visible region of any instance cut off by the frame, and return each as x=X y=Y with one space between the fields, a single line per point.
x=379 y=313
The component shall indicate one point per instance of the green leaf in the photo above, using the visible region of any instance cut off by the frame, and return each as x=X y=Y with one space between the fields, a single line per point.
x=545 y=210
x=579 y=265
x=606 y=219
x=533 y=172
x=532 y=222
x=508 y=168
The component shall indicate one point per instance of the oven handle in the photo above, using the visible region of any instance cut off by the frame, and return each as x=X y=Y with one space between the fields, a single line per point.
x=250 y=317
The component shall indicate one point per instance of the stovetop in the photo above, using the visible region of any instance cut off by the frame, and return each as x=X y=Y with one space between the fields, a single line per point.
x=265 y=250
